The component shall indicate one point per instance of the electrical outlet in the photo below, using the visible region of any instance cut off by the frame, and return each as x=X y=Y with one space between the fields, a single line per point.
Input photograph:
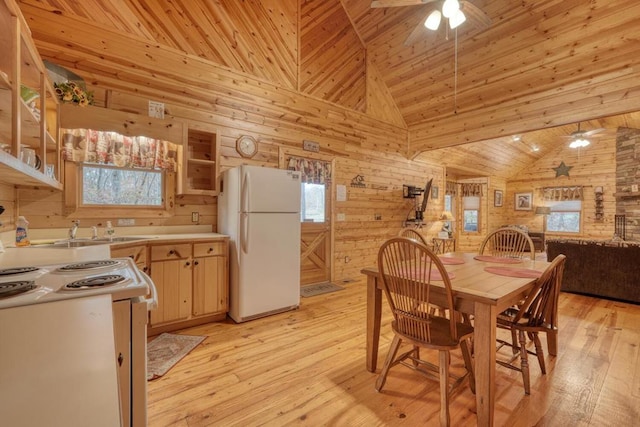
x=126 y=221
x=195 y=216
x=377 y=217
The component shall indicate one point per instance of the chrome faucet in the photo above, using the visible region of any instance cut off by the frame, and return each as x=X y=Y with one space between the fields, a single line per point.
x=94 y=232
x=74 y=229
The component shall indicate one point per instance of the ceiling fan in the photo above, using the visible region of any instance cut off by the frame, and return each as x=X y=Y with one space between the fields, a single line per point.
x=454 y=11
x=581 y=138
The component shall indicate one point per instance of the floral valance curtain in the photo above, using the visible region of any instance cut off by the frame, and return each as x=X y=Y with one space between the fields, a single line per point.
x=111 y=148
x=451 y=188
x=313 y=171
x=562 y=193
x=471 y=190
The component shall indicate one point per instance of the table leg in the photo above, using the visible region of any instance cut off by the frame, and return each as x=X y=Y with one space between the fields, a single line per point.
x=484 y=342
x=374 y=312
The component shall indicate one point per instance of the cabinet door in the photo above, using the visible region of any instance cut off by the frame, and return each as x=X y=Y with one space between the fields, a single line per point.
x=210 y=285
x=173 y=283
x=137 y=253
x=121 y=330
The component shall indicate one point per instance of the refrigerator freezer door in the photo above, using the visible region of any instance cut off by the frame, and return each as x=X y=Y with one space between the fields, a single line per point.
x=268 y=265
x=269 y=190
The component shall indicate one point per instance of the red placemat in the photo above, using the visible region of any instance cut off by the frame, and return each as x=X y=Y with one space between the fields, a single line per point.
x=497 y=259
x=514 y=272
x=449 y=260
x=435 y=274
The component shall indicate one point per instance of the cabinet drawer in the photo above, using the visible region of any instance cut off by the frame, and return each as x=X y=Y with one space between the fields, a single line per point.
x=137 y=253
x=210 y=248
x=165 y=252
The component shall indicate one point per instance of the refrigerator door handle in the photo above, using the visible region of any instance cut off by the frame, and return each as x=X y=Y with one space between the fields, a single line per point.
x=244 y=232
x=244 y=196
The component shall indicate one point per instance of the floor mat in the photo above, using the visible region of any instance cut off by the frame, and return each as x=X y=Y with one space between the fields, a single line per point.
x=318 y=289
x=166 y=350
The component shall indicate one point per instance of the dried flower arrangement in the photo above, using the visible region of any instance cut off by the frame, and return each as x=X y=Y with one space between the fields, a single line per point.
x=73 y=92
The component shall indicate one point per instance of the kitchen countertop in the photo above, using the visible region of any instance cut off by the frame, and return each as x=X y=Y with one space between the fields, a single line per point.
x=41 y=254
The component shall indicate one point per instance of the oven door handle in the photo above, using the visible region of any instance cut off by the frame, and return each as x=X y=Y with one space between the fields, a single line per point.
x=152 y=302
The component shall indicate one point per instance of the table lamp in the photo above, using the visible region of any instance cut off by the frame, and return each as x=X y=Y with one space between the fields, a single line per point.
x=446 y=217
x=543 y=210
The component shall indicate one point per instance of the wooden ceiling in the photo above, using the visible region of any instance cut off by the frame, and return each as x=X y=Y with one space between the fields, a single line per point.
x=542 y=64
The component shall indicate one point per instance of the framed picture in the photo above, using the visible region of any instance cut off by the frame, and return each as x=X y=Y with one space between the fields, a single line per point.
x=524 y=201
x=434 y=192
x=497 y=198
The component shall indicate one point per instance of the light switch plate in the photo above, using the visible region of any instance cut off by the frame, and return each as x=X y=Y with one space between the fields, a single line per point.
x=195 y=216
x=126 y=221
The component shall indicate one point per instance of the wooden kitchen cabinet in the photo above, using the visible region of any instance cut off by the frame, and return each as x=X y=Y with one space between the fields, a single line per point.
x=192 y=281
x=34 y=125
x=171 y=272
x=210 y=272
x=138 y=253
x=198 y=170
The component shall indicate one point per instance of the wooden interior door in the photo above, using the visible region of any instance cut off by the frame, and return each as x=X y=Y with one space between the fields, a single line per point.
x=315 y=250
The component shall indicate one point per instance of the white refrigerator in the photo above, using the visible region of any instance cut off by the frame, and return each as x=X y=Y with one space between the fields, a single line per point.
x=259 y=208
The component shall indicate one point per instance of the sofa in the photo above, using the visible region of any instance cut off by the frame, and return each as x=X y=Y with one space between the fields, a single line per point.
x=599 y=268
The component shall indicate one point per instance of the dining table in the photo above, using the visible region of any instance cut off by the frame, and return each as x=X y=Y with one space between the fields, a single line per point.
x=483 y=288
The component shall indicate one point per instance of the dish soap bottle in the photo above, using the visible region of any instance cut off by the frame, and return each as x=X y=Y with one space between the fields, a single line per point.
x=22 y=229
x=109 y=231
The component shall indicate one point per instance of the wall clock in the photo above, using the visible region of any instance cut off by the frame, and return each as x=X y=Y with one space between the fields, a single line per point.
x=247 y=146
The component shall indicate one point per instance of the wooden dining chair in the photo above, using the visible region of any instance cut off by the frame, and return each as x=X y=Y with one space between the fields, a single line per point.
x=407 y=269
x=508 y=242
x=538 y=313
x=411 y=233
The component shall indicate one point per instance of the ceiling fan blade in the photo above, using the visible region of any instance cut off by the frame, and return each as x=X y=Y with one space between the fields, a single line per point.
x=592 y=132
x=475 y=14
x=398 y=3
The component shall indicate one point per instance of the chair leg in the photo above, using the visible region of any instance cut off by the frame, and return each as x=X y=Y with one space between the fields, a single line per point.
x=539 y=352
x=468 y=363
x=393 y=350
x=445 y=359
x=514 y=341
x=524 y=364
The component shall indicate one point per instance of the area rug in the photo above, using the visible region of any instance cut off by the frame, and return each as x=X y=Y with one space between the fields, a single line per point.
x=318 y=289
x=166 y=350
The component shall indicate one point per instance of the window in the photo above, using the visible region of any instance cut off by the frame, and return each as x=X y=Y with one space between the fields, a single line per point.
x=312 y=202
x=99 y=191
x=470 y=213
x=565 y=216
x=104 y=185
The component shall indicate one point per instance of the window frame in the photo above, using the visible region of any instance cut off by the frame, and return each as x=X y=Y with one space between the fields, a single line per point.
x=73 y=197
x=479 y=217
x=553 y=204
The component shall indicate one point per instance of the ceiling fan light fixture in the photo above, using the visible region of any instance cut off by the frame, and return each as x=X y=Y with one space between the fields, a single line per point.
x=579 y=142
x=450 y=7
x=457 y=19
x=433 y=21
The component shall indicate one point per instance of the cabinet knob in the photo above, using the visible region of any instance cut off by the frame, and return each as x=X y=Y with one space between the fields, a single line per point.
x=187 y=263
x=171 y=252
x=120 y=359
x=210 y=250
x=195 y=263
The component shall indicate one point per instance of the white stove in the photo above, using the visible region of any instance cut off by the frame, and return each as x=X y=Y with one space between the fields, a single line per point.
x=44 y=294
x=38 y=284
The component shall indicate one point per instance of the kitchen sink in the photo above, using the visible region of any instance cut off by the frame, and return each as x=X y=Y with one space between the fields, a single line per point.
x=119 y=239
x=81 y=243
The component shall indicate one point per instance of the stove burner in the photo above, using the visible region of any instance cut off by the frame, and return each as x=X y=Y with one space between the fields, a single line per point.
x=17 y=270
x=9 y=289
x=89 y=265
x=94 y=282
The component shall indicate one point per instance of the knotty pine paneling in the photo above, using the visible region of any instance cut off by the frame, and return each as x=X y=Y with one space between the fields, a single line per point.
x=8 y=201
x=332 y=57
x=591 y=166
x=380 y=102
x=255 y=37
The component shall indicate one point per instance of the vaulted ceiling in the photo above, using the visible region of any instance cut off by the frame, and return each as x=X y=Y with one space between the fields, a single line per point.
x=542 y=64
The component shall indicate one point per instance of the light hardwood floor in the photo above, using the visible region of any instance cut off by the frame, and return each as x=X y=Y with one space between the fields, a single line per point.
x=307 y=367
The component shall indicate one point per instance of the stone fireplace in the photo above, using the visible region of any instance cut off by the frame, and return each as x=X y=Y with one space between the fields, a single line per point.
x=628 y=180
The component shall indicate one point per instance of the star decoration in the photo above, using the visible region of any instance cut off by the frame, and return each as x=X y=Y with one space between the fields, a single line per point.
x=562 y=169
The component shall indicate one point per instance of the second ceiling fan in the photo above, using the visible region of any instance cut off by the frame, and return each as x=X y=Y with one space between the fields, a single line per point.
x=454 y=12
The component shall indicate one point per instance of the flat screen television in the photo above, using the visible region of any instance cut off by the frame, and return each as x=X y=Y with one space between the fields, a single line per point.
x=425 y=195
